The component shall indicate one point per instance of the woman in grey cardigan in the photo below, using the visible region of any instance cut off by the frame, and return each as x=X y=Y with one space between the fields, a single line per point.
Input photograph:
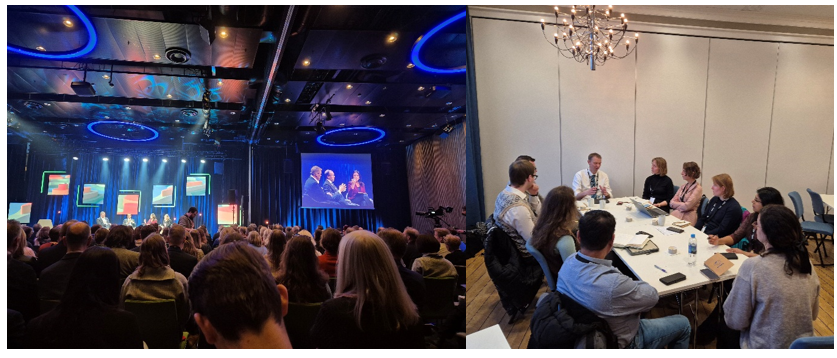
x=154 y=279
x=774 y=297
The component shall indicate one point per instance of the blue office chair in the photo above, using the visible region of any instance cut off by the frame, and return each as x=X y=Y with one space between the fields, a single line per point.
x=813 y=343
x=818 y=230
x=819 y=209
x=797 y=205
x=550 y=281
x=703 y=202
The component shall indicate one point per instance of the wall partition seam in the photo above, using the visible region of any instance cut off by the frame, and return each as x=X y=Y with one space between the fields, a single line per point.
x=473 y=149
x=705 y=102
x=830 y=163
x=560 y=122
x=636 y=78
x=772 y=112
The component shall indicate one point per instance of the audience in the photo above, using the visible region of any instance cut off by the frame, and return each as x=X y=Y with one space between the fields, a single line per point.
x=552 y=235
x=413 y=281
x=371 y=308
x=191 y=245
x=87 y=316
x=774 y=297
x=47 y=237
x=440 y=234
x=331 y=243
x=589 y=279
x=411 y=253
x=431 y=264
x=21 y=279
x=300 y=273
x=51 y=255
x=178 y=260
x=686 y=200
x=17 y=244
x=747 y=230
x=275 y=248
x=100 y=236
x=723 y=213
x=456 y=256
x=154 y=279
x=256 y=242
x=658 y=187
x=229 y=319
x=53 y=280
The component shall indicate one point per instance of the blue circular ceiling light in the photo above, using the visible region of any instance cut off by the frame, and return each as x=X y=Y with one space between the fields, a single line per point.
x=375 y=131
x=414 y=56
x=134 y=129
x=91 y=42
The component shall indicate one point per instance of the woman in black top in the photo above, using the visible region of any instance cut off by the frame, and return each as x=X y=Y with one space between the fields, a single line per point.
x=658 y=186
x=723 y=213
x=87 y=316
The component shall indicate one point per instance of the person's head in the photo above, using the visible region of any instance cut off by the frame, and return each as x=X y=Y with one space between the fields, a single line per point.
x=100 y=236
x=295 y=229
x=78 y=236
x=453 y=242
x=93 y=229
x=177 y=235
x=275 y=247
x=356 y=175
x=659 y=166
x=102 y=214
x=305 y=233
x=440 y=233
x=13 y=232
x=43 y=235
x=329 y=174
x=223 y=314
x=525 y=157
x=129 y=216
x=595 y=230
x=367 y=271
x=27 y=231
x=691 y=171
x=152 y=217
x=193 y=211
x=779 y=230
x=396 y=241
x=146 y=230
x=522 y=174
x=166 y=217
x=65 y=227
x=411 y=234
x=153 y=254
x=767 y=196
x=316 y=172
x=55 y=233
x=558 y=215
x=331 y=241
x=94 y=282
x=722 y=186
x=594 y=162
x=300 y=271
x=426 y=244
x=231 y=236
x=254 y=239
x=119 y=236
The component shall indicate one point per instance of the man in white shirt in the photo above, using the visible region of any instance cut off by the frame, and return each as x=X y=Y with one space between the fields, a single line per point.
x=589 y=181
x=533 y=198
x=512 y=211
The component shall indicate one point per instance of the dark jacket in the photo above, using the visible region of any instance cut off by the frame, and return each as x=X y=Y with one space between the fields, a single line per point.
x=50 y=255
x=335 y=327
x=21 y=288
x=181 y=262
x=410 y=255
x=517 y=278
x=559 y=322
x=457 y=258
x=660 y=188
x=414 y=283
x=100 y=328
x=720 y=218
x=54 y=279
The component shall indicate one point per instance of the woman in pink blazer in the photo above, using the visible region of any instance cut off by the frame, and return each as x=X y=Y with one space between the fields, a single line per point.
x=686 y=200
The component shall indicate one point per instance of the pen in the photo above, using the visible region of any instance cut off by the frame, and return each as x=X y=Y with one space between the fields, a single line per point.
x=661 y=269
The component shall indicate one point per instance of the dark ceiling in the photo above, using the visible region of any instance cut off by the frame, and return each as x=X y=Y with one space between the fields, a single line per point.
x=263 y=74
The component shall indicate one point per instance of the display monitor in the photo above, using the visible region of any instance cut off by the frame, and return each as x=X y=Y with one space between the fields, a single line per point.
x=195 y=186
x=59 y=184
x=162 y=195
x=20 y=212
x=344 y=181
x=127 y=204
x=93 y=194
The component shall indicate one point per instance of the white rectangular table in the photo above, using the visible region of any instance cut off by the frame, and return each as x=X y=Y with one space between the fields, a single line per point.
x=489 y=338
x=643 y=265
x=828 y=200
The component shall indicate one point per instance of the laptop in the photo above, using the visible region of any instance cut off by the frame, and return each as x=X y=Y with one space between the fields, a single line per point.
x=650 y=210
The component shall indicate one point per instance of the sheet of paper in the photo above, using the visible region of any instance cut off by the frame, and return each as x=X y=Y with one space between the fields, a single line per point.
x=664 y=231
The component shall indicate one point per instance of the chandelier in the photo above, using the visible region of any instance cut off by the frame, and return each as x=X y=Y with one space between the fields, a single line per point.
x=591 y=35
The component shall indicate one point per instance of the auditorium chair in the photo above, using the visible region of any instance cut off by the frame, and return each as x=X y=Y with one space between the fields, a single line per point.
x=158 y=323
x=441 y=292
x=460 y=283
x=298 y=323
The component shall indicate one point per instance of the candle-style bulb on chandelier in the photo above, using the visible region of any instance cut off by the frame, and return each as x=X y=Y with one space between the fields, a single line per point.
x=590 y=35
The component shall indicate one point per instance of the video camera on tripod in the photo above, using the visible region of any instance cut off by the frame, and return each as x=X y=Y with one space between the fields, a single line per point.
x=436 y=214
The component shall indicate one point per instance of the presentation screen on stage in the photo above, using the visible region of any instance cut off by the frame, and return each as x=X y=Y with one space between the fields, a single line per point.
x=162 y=195
x=93 y=194
x=349 y=188
x=227 y=214
x=20 y=212
x=59 y=184
x=195 y=186
x=127 y=204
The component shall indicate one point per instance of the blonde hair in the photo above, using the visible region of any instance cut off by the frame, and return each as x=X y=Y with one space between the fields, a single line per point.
x=725 y=181
x=661 y=165
x=254 y=239
x=366 y=270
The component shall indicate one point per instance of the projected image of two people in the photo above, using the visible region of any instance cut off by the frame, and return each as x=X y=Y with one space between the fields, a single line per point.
x=337 y=181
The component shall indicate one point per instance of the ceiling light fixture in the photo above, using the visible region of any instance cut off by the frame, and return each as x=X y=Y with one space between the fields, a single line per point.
x=590 y=35
x=168 y=95
x=68 y=23
x=183 y=160
x=157 y=56
x=382 y=115
x=75 y=158
x=421 y=88
x=106 y=77
x=145 y=160
x=368 y=102
x=223 y=33
x=203 y=161
x=165 y=160
x=349 y=86
x=414 y=55
x=92 y=39
x=410 y=65
x=127 y=159
x=392 y=37
x=287 y=100
x=105 y=159
x=306 y=63
x=380 y=132
x=40 y=48
x=91 y=127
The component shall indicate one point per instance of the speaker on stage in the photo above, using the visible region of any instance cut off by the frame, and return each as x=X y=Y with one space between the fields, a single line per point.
x=289 y=166
x=232 y=196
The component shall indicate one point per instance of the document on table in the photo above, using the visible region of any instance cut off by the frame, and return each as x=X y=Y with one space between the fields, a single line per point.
x=665 y=232
x=628 y=240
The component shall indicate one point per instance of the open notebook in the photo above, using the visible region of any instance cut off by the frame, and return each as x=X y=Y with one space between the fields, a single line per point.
x=630 y=240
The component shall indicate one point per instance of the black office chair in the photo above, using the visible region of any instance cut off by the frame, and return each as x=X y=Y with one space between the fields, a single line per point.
x=441 y=292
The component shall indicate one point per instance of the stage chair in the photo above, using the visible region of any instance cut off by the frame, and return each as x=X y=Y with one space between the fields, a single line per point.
x=158 y=323
x=441 y=292
x=298 y=322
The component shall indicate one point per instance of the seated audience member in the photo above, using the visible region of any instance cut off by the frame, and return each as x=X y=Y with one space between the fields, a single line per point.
x=328 y=260
x=686 y=201
x=593 y=282
x=310 y=236
x=53 y=280
x=300 y=273
x=21 y=279
x=318 y=237
x=15 y=329
x=137 y=240
x=431 y=264
x=658 y=187
x=592 y=181
x=440 y=234
x=118 y=239
x=774 y=298
x=154 y=280
x=192 y=246
x=205 y=246
x=534 y=197
x=275 y=248
x=512 y=212
x=94 y=228
x=371 y=308
x=100 y=236
x=87 y=316
x=456 y=256
x=413 y=281
x=723 y=213
x=256 y=242
x=411 y=253
x=16 y=244
x=229 y=319
x=747 y=230
x=179 y=260
x=51 y=255
x=553 y=235
x=48 y=237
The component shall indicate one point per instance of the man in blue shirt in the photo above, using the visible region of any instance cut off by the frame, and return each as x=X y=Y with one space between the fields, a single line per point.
x=589 y=279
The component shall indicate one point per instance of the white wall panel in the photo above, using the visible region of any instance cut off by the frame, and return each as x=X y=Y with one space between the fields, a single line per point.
x=597 y=110
x=830 y=188
x=738 y=108
x=803 y=121
x=671 y=93
x=517 y=85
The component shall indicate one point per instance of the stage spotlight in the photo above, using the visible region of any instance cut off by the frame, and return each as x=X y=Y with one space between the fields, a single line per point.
x=145 y=160
x=165 y=160
x=320 y=128
x=183 y=160
x=203 y=161
x=105 y=159
x=127 y=159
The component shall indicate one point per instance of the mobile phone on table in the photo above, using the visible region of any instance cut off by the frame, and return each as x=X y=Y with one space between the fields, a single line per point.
x=709 y=274
x=672 y=279
x=730 y=255
x=677 y=230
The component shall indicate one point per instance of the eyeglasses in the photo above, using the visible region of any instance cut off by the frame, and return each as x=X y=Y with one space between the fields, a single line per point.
x=535 y=176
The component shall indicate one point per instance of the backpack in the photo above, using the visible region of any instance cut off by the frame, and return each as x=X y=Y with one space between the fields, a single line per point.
x=560 y=322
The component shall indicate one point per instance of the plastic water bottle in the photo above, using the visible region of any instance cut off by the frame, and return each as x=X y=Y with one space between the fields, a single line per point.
x=692 y=250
